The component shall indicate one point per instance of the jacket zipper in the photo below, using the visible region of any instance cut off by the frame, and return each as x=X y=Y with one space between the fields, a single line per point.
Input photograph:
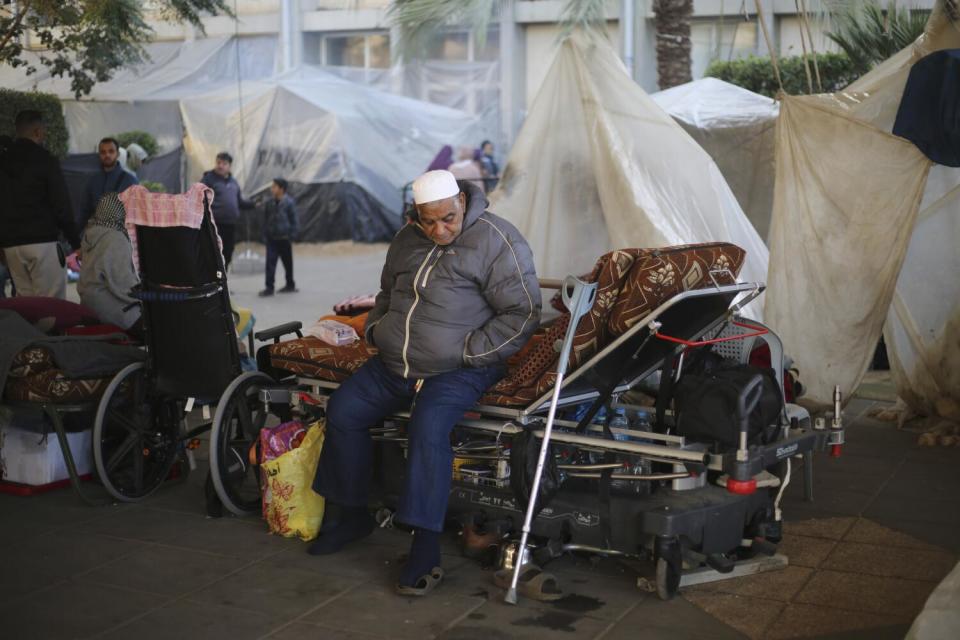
x=416 y=299
x=426 y=276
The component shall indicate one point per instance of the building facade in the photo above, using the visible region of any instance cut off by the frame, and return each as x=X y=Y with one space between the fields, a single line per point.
x=506 y=69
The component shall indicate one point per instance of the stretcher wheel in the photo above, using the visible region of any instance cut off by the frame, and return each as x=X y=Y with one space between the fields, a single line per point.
x=668 y=580
x=236 y=427
x=135 y=436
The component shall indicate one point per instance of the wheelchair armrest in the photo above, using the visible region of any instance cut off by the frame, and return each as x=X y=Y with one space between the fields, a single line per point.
x=275 y=333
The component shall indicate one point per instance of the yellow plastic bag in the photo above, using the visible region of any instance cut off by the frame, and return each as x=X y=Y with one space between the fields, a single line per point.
x=290 y=505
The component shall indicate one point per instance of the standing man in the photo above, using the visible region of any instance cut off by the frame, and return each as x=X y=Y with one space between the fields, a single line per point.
x=227 y=202
x=491 y=172
x=112 y=178
x=280 y=227
x=458 y=296
x=35 y=210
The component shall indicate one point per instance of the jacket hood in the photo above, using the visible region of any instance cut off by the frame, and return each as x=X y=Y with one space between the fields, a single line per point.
x=476 y=203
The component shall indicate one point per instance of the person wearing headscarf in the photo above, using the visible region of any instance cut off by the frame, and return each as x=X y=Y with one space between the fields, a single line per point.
x=107 y=274
x=443 y=159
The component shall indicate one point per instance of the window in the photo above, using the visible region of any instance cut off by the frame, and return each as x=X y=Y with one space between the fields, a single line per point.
x=715 y=40
x=370 y=51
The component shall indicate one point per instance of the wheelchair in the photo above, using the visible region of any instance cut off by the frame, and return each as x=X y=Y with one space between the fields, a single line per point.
x=142 y=429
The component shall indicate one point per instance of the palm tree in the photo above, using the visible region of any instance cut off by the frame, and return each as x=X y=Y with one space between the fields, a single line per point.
x=672 y=19
x=869 y=33
x=419 y=20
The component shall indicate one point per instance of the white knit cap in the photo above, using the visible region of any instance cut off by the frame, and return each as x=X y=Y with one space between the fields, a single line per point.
x=434 y=185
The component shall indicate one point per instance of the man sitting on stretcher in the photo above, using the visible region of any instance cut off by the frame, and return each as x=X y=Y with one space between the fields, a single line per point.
x=458 y=296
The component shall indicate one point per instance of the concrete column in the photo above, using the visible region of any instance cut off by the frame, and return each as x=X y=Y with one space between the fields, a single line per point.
x=289 y=25
x=645 y=52
x=770 y=21
x=512 y=75
x=627 y=30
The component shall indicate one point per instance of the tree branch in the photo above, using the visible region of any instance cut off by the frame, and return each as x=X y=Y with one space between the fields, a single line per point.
x=22 y=8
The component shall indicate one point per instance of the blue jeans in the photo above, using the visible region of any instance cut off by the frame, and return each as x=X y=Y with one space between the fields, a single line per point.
x=370 y=394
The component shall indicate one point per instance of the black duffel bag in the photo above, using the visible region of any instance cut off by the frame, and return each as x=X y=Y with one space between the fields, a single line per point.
x=706 y=404
x=524 y=455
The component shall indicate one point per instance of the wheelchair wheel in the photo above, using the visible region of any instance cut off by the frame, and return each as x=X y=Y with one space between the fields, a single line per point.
x=135 y=436
x=236 y=428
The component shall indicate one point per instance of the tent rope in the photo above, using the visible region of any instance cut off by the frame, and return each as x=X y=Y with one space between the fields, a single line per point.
x=813 y=50
x=766 y=37
x=803 y=46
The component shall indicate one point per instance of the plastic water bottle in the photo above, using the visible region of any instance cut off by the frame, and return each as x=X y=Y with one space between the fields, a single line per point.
x=619 y=421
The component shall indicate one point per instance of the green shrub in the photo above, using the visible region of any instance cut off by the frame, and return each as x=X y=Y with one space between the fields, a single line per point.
x=156 y=187
x=756 y=73
x=142 y=138
x=13 y=102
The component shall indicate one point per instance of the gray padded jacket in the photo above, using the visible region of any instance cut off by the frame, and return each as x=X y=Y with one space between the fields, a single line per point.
x=472 y=303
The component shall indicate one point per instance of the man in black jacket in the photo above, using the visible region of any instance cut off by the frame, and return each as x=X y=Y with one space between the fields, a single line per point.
x=458 y=296
x=36 y=209
x=227 y=202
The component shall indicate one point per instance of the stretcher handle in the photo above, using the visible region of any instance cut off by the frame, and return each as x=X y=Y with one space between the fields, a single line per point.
x=756 y=331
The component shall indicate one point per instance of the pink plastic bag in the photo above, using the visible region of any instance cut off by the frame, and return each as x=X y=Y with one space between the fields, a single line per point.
x=276 y=441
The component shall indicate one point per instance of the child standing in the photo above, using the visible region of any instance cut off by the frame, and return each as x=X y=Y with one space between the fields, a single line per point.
x=280 y=226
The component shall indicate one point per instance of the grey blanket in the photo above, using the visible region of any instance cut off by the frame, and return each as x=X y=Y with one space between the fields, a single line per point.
x=76 y=356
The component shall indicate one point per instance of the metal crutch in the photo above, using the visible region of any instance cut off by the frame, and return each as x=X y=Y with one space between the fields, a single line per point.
x=578 y=297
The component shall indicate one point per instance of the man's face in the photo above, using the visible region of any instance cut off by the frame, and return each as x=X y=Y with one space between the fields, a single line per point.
x=108 y=155
x=276 y=191
x=223 y=167
x=442 y=220
x=488 y=149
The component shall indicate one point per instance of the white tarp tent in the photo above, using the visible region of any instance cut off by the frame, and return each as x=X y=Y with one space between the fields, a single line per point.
x=598 y=166
x=736 y=127
x=310 y=126
x=833 y=259
x=146 y=97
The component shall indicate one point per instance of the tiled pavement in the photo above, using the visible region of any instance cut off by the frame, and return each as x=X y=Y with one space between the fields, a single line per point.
x=879 y=536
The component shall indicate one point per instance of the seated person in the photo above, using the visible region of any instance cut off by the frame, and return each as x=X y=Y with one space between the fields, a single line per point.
x=458 y=296
x=107 y=274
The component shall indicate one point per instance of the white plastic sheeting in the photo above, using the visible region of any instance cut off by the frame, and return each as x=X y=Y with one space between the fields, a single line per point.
x=310 y=126
x=922 y=330
x=598 y=165
x=940 y=617
x=736 y=127
x=471 y=87
x=146 y=96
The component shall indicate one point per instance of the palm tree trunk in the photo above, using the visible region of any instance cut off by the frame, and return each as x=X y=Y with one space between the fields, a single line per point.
x=672 y=20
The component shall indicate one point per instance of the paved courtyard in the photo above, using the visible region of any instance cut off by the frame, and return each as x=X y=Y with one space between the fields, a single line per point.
x=879 y=536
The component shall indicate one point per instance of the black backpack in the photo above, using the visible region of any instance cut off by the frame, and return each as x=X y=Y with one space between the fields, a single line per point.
x=706 y=402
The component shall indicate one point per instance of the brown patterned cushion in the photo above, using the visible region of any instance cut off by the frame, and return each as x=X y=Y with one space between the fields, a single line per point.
x=51 y=386
x=313 y=357
x=609 y=273
x=631 y=283
x=664 y=273
x=30 y=361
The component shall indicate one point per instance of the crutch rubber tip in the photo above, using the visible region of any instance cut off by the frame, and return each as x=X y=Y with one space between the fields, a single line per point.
x=742 y=487
x=511 y=596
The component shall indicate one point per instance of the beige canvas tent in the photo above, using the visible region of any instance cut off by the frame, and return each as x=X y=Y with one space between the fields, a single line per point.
x=736 y=127
x=862 y=236
x=598 y=166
